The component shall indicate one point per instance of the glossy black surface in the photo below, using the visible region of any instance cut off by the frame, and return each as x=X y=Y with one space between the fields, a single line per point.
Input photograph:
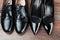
x=7 y=18
x=48 y=18
x=21 y=19
x=35 y=17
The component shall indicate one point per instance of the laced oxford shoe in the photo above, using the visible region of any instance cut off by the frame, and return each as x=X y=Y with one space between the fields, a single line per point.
x=21 y=19
x=7 y=18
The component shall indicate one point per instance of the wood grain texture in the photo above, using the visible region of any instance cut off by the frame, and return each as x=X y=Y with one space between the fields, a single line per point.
x=42 y=35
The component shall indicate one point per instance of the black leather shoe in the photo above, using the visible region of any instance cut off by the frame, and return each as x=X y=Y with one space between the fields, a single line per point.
x=21 y=19
x=7 y=18
x=35 y=17
x=48 y=18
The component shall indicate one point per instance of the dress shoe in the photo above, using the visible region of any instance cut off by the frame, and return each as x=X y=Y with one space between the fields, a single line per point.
x=35 y=16
x=7 y=18
x=48 y=18
x=21 y=19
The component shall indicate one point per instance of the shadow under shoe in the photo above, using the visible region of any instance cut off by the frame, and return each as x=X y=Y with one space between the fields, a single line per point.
x=21 y=19
x=7 y=18
x=35 y=17
x=48 y=18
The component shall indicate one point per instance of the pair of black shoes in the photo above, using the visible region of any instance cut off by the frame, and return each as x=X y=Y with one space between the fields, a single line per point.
x=42 y=12
x=11 y=18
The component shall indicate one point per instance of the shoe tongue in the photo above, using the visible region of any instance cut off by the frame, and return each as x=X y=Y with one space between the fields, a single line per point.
x=7 y=7
x=19 y=7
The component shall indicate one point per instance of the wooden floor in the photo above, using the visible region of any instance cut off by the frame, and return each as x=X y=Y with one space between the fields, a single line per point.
x=42 y=35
